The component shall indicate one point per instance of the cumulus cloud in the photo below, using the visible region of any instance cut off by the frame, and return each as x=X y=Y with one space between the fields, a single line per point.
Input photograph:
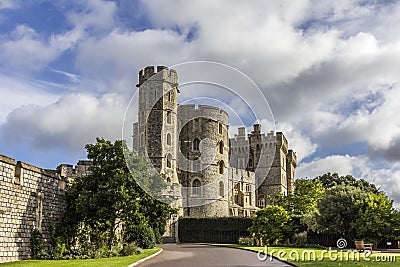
x=71 y=122
x=329 y=71
x=25 y=49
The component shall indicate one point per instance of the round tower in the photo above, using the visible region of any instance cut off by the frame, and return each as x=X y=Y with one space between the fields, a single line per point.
x=204 y=160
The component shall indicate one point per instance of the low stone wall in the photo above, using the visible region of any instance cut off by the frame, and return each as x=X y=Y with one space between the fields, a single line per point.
x=30 y=197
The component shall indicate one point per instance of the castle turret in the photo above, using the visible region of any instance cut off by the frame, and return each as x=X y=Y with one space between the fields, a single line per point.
x=204 y=147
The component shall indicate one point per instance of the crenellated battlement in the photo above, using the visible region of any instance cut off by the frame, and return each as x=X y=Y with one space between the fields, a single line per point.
x=192 y=111
x=149 y=71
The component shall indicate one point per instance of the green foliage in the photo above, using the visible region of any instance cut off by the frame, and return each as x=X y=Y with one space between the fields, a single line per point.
x=131 y=249
x=141 y=235
x=247 y=241
x=337 y=210
x=374 y=217
x=270 y=224
x=110 y=198
x=329 y=180
x=38 y=250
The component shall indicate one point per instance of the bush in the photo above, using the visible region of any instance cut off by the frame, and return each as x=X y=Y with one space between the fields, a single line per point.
x=143 y=236
x=37 y=245
x=247 y=241
x=130 y=249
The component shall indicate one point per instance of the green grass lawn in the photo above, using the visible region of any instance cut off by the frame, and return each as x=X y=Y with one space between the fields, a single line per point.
x=376 y=259
x=106 y=262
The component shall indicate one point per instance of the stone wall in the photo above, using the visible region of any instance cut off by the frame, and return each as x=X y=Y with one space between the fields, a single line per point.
x=30 y=197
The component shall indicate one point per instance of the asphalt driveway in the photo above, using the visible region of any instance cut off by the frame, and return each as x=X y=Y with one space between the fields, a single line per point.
x=194 y=255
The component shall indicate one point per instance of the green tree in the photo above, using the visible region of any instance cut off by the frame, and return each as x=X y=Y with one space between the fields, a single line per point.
x=374 y=219
x=110 y=199
x=303 y=199
x=270 y=224
x=329 y=180
x=337 y=210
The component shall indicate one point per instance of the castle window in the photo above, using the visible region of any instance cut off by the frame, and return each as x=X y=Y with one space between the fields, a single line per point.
x=169 y=117
x=155 y=94
x=221 y=189
x=236 y=199
x=221 y=147
x=196 y=166
x=261 y=203
x=196 y=144
x=219 y=128
x=169 y=139
x=169 y=96
x=221 y=167
x=196 y=187
x=142 y=139
x=196 y=125
x=169 y=161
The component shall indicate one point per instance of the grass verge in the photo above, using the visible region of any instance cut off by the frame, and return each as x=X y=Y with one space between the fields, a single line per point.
x=106 y=262
x=300 y=257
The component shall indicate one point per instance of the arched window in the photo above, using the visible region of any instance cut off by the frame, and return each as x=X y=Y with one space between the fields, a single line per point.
x=221 y=167
x=169 y=139
x=221 y=147
x=196 y=187
x=169 y=117
x=221 y=189
x=168 y=180
x=169 y=161
x=196 y=144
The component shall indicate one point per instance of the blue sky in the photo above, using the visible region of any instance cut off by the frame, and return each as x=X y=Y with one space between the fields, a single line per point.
x=328 y=70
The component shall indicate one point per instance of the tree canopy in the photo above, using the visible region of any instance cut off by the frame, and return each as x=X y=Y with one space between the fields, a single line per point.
x=108 y=205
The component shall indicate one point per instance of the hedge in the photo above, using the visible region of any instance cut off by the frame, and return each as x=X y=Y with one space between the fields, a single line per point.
x=213 y=230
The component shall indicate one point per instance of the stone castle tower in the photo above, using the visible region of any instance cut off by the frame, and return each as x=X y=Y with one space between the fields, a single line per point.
x=217 y=175
x=156 y=130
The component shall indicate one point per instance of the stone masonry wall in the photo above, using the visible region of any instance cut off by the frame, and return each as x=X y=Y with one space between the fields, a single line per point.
x=30 y=197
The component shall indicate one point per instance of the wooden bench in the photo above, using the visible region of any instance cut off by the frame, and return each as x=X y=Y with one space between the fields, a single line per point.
x=361 y=246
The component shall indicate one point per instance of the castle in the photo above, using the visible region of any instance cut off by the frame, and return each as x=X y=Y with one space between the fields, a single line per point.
x=218 y=175
x=215 y=175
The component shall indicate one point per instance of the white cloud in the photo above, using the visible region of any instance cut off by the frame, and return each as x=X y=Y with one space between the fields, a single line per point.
x=24 y=49
x=8 y=4
x=71 y=122
x=17 y=92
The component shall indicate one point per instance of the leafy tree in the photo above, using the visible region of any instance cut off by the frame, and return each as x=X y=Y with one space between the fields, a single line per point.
x=303 y=200
x=270 y=224
x=109 y=198
x=374 y=218
x=337 y=210
x=329 y=180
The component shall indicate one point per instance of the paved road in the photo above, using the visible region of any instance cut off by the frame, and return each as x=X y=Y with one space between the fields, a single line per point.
x=193 y=255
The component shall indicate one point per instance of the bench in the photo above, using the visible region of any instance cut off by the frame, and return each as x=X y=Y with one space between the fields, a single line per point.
x=361 y=246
